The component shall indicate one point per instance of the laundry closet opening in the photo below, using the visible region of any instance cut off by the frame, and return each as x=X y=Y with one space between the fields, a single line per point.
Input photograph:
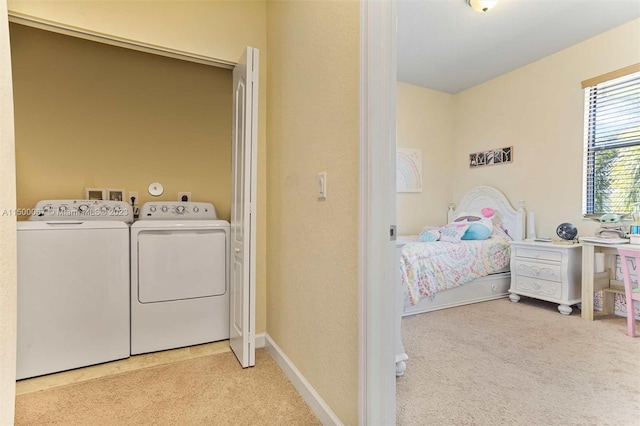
x=93 y=115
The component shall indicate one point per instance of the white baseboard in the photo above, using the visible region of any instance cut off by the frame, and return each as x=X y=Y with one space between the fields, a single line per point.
x=260 y=340
x=304 y=388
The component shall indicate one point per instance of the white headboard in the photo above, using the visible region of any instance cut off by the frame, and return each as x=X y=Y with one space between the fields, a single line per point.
x=480 y=197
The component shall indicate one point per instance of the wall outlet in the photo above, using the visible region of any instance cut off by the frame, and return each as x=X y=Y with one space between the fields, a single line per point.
x=184 y=196
x=133 y=198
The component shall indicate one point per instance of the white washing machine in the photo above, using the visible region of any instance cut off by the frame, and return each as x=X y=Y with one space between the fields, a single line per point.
x=179 y=276
x=73 y=285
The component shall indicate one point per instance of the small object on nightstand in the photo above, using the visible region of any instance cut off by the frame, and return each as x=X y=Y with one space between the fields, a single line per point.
x=567 y=231
x=565 y=242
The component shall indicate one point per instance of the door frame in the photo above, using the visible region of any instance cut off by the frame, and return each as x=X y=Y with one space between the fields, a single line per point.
x=8 y=259
x=377 y=212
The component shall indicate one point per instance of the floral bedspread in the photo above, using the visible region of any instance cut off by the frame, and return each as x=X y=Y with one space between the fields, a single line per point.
x=427 y=268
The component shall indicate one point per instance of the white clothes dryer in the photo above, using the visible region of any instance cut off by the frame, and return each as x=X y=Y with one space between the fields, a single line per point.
x=179 y=276
x=73 y=285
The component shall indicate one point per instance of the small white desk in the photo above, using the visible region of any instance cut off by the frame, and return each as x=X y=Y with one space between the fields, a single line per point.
x=592 y=282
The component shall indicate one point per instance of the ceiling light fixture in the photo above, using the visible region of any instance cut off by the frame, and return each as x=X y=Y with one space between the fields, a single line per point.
x=481 y=5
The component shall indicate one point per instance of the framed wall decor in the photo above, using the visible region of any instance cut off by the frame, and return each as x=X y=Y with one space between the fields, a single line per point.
x=408 y=170
x=115 y=194
x=95 y=194
x=491 y=157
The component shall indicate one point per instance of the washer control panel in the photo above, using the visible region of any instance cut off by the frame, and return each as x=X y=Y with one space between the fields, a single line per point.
x=174 y=210
x=74 y=210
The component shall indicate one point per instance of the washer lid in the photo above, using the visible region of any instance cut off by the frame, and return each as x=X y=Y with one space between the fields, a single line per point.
x=66 y=225
x=177 y=225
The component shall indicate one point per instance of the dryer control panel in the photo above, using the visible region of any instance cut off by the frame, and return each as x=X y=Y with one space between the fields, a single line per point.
x=173 y=210
x=83 y=210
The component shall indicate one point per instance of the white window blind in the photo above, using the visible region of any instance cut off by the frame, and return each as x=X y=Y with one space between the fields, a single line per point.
x=612 y=145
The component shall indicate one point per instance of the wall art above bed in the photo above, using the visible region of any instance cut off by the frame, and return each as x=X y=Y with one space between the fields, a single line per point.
x=491 y=157
x=408 y=170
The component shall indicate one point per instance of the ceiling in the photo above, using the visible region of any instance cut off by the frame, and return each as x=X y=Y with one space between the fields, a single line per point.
x=447 y=46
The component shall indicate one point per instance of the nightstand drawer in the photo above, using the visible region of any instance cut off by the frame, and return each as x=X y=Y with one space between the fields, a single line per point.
x=537 y=270
x=540 y=287
x=554 y=256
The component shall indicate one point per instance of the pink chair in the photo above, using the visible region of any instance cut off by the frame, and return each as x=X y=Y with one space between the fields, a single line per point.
x=630 y=293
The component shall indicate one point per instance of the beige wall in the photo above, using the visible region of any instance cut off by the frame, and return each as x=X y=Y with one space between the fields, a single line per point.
x=539 y=109
x=7 y=232
x=425 y=121
x=218 y=29
x=93 y=115
x=313 y=244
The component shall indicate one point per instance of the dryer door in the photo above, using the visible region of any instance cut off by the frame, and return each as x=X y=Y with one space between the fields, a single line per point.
x=184 y=264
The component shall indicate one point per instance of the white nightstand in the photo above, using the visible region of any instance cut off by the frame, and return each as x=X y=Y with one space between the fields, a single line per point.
x=546 y=271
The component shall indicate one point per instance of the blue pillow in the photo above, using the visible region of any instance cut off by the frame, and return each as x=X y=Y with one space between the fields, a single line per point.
x=429 y=235
x=476 y=231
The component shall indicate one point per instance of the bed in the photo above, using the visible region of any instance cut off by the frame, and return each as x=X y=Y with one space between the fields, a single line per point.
x=479 y=271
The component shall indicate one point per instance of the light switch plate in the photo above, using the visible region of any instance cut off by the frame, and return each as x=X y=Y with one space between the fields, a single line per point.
x=322 y=186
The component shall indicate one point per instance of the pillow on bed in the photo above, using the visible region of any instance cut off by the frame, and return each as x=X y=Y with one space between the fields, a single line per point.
x=500 y=232
x=480 y=228
x=477 y=231
x=429 y=234
x=453 y=233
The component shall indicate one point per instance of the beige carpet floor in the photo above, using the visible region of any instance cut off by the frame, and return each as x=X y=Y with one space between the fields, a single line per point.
x=504 y=363
x=211 y=390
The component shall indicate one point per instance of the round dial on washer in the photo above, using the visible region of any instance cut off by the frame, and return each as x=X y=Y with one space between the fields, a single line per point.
x=180 y=209
x=164 y=209
x=196 y=209
x=152 y=209
x=103 y=210
x=83 y=208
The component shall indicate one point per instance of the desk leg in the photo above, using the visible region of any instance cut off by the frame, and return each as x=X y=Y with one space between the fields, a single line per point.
x=608 y=298
x=587 y=281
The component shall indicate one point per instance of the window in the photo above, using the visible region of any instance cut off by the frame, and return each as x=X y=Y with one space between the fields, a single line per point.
x=612 y=142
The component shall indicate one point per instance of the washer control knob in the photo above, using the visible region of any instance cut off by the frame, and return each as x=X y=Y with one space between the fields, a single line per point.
x=104 y=210
x=83 y=208
x=152 y=209
x=164 y=209
x=196 y=210
x=180 y=209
